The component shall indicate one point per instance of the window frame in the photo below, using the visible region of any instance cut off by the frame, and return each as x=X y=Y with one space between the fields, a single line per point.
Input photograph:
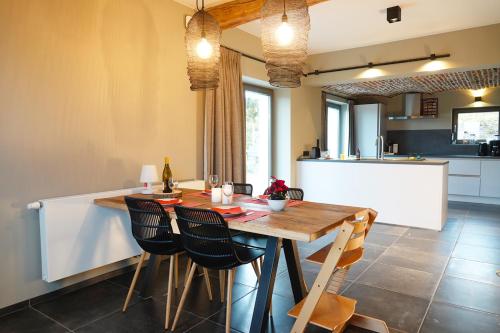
x=454 y=121
x=269 y=92
x=333 y=106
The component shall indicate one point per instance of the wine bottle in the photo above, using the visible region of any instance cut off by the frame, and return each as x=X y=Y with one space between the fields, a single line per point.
x=167 y=175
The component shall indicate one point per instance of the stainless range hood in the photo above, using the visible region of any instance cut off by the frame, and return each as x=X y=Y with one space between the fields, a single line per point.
x=412 y=104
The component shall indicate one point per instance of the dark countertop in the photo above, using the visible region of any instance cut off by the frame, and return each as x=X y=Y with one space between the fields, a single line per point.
x=392 y=160
x=452 y=156
x=464 y=156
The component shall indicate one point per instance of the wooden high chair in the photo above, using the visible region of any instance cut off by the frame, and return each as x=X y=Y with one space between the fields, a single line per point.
x=323 y=306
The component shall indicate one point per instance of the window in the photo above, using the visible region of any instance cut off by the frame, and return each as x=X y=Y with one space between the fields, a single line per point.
x=474 y=125
x=258 y=104
x=337 y=129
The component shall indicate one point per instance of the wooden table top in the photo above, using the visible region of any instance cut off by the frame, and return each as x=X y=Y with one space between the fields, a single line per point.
x=305 y=222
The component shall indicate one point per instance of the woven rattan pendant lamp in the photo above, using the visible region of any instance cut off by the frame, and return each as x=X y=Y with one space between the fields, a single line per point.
x=202 y=40
x=285 y=30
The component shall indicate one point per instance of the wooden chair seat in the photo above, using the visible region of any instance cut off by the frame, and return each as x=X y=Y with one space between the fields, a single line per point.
x=348 y=258
x=331 y=311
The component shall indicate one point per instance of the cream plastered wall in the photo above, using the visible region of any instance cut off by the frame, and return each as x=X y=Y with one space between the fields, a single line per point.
x=89 y=91
x=471 y=48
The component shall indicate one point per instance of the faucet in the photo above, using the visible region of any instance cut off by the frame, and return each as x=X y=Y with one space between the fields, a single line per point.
x=380 y=149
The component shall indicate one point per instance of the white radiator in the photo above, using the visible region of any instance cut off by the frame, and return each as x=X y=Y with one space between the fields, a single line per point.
x=76 y=235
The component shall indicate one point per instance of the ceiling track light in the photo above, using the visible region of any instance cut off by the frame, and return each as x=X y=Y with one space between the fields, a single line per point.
x=431 y=57
x=394 y=14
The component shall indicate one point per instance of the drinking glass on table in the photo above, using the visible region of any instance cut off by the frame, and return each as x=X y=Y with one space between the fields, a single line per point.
x=227 y=191
x=213 y=181
x=173 y=184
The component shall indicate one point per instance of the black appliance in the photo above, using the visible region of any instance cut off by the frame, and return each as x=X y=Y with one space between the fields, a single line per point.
x=495 y=147
x=483 y=149
x=315 y=152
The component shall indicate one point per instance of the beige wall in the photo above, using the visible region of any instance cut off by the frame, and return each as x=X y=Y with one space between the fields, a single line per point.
x=305 y=122
x=89 y=91
x=471 y=48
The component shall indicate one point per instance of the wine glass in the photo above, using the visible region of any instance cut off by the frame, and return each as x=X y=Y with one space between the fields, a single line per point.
x=173 y=184
x=213 y=180
x=228 y=189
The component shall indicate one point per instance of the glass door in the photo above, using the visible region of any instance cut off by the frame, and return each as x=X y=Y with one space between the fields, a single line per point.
x=258 y=103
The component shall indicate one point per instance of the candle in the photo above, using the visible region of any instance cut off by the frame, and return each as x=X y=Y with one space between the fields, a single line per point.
x=216 y=194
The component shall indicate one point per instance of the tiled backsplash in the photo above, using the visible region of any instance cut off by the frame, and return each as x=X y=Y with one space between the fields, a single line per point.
x=431 y=142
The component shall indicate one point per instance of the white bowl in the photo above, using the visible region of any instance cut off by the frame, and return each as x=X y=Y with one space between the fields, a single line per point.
x=277 y=205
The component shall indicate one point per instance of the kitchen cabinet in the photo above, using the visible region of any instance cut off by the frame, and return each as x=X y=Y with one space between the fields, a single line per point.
x=468 y=167
x=463 y=185
x=490 y=178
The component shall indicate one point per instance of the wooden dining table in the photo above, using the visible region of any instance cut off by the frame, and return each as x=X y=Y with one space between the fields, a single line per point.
x=305 y=222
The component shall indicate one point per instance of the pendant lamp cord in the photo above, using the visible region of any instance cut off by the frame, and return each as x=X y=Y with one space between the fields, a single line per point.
x=203 y=17
x=202 y=5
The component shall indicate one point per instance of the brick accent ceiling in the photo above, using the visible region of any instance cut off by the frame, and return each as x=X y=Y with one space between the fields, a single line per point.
x=433 y=83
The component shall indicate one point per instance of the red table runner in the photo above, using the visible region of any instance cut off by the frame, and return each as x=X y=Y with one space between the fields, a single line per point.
x=185 y=204
x=250 y=215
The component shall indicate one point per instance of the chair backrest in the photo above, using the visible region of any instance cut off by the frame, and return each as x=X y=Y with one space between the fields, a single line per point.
x=206 y=238
x=295 y=193
x=242 y=188
x=151 y=226
x=354 y=248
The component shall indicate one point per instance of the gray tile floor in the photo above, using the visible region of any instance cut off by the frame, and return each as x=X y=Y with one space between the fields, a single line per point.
x=416 y=280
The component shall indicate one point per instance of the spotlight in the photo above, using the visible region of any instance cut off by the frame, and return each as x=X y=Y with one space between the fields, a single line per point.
x=394 y=14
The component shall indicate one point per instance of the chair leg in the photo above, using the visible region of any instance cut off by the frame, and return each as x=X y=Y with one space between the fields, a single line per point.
x=256 y=269
x=184 y=294
x=176 y=261
x=188 y=267
x=230 y=281
x=169 y=291
x=134 y=280
x=207 y=282
x=369 y=323
x=222 y=282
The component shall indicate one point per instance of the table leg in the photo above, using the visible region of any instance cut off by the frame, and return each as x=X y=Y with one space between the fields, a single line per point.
x=147 y=285
x=266 y=285
x=294 y=269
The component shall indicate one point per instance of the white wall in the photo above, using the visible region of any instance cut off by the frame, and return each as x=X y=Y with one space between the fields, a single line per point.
x=471 y=48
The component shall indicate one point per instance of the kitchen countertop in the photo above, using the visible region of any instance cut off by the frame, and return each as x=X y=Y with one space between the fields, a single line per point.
x=388 y=160
x=459 y=156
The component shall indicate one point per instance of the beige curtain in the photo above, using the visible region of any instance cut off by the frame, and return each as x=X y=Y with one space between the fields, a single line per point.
x=225 y=122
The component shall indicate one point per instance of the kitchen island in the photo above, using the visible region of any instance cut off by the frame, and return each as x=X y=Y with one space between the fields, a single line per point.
x=404 y=192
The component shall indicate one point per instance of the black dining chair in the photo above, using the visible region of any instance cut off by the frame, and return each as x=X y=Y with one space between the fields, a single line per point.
x=207 y=241
x=295 y=193
x=242 y=188
x=152 y=230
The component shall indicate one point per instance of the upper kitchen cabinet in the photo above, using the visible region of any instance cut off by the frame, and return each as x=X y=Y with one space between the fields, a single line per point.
x=490 y=179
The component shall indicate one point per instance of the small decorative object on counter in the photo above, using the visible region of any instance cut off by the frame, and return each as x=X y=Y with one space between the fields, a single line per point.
x=149 y=175
x=167 y=176
x=277 y=191
x=395 y=148
x=358 y=154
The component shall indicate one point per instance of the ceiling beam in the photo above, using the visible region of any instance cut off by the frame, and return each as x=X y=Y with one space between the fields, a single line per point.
x=237 y=12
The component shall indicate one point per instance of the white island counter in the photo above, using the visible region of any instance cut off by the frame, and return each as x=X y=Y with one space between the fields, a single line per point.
x=409 y=193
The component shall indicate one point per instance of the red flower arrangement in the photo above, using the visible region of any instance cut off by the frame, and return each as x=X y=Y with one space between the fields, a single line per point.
x=277 y=190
